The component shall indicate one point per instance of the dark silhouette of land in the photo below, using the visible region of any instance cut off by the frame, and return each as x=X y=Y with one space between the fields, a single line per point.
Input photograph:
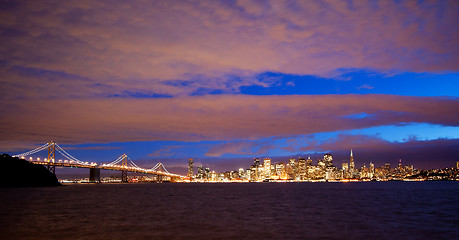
x=17 y=172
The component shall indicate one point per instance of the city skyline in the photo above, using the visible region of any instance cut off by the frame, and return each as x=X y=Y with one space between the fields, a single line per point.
x=225 y=81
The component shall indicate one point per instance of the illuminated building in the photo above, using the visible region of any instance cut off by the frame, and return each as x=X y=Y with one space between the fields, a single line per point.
x=328 y=160
x=280 y=169
x=371 y=174
x=267 y=167
x=309 y=161
x=256 y=162
x=345 y=166
x=200 y=173
x=302 y=171
x=207 y=173
x=291 y=168
x=190 y=168
x=457 y=165
x=241 y=172
x=351 y=163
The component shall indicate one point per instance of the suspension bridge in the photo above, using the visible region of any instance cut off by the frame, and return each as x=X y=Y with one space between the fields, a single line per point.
x=123 y=163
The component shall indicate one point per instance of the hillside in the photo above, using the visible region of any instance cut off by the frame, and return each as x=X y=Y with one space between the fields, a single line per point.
x=17 y=172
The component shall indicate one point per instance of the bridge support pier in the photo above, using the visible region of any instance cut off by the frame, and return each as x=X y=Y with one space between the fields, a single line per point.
x=124 y=177
x=94 y=175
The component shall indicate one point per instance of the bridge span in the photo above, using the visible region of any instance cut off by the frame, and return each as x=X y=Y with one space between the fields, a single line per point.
x=123 y=163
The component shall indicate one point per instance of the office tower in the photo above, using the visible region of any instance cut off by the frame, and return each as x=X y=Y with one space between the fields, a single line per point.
x=280 y=169
x=351 y=163
x=190 y=168
x=372 y=171
x=302 y=171
x=328 y=160
x=256 y=162
x=267 y=167
x=241 y=173
x=345 y=166
x=200 y=173
x=291 y=168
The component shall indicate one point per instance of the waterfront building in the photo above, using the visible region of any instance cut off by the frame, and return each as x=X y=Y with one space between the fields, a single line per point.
x=371 y=173
x=328 y=160
x=280 y=170
x=309 y=161
x=351 y=163
x=256 y=162
x=267 y=168
x=302 y=171
x=190 y=168
x=241 y=173
x=345 y=166
x=457 y=165
x=291 y=168
x=200 y=174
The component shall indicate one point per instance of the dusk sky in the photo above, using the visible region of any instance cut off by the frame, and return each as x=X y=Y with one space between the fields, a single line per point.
x=225 y=81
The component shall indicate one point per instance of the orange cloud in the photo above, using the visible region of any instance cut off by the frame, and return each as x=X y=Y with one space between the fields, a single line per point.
x=212 y=117
x=143 y=44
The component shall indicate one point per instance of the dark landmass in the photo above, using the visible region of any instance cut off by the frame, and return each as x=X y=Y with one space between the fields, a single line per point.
x=17 y=172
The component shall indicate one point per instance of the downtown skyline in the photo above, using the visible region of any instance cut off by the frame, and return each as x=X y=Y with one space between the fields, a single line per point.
x=225 y=81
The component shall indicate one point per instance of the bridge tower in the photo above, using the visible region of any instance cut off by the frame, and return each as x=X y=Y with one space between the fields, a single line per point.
x=124 y=162
x=51 y=156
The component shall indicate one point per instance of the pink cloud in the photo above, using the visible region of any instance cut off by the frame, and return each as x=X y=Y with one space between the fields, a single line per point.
x=142 y=44
x=212 y=117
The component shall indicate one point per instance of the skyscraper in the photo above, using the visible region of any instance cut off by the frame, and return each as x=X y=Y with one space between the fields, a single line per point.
x=190 y=168
x=256 y=162
x=351 y=163
x=328 y=160
x=267 y=167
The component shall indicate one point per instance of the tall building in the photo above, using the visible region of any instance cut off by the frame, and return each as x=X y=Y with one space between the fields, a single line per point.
x=328 y=160
x=372 y=170
x=345 y=166
x=302 y=171
x=457 y=165
x=200 y=174
x=256 y=162
x=309 y=161
x=267 y=167
x=190 y=168
x=280 y=169
x=291 y=168
x=351 y=163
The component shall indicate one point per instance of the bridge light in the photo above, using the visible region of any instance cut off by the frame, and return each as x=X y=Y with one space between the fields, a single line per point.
x=30 y=158
x=38 y=159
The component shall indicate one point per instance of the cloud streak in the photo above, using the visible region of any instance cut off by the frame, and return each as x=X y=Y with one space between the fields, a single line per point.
x=212 y=117
x=102 y=48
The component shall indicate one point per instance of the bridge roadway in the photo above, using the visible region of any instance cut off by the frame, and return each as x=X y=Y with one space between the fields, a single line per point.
x=106 y=167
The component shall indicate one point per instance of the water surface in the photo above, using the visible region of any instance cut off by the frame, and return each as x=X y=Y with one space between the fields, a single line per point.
x=374 y=210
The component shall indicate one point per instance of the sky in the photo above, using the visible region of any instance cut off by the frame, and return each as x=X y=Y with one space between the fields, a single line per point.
x=223 y=82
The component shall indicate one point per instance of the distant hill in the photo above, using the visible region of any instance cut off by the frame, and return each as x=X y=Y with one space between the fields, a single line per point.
x=17 y=172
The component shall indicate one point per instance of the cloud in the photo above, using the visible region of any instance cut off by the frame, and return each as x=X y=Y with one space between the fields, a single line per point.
x=100 y=48
x=240 y=148
x=211 y=117
x=365 y=86
x=165 y=151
